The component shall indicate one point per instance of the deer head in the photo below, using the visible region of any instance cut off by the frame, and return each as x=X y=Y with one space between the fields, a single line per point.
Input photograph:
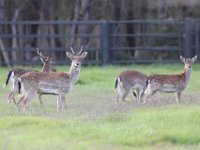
x=48 y=62
x=76 y=58
x=45 y=59
x=189 y=61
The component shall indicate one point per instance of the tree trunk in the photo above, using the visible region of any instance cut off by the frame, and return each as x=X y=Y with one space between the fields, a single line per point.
x=43 y=31
x=14 y=38
x=52 y=36
x=2 y=46
x=27 y=44
x=85 y=13
x=141 y=13
x=75 y=18
x=4 y=53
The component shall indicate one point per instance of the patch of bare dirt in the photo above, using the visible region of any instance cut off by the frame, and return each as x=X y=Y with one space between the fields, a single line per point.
x=91 y=105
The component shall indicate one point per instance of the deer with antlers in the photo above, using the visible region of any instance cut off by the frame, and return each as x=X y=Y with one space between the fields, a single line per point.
x=57 y=83
x=170 y=83
x=14 y=74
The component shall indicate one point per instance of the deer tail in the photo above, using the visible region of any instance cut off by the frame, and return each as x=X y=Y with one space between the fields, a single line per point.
x=8 y=77
x=146 y=84
x=19 y=86
x=116 y=82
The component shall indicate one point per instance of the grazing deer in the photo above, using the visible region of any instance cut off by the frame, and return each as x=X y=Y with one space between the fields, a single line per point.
x=55 y=83
x=128 y=80
x=14 y=74
x=170 y=83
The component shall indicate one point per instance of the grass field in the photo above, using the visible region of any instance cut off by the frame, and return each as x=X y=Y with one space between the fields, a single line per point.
x=94 y=121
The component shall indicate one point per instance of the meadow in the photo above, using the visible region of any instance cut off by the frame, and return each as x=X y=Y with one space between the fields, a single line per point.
x=94 y=121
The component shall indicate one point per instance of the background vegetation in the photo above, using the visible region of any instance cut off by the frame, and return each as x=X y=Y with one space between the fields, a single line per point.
x=85 y=10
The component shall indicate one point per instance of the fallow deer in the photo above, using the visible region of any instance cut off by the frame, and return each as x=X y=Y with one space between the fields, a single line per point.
x=57 y=83
x=170 y=83
x=14 y=74
x=130 y=80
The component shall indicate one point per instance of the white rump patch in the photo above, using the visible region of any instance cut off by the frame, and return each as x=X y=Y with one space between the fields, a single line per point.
x=120 y=87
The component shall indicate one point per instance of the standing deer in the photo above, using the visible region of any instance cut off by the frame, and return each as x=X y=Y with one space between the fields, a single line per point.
x=170 y=83
x=14 y=74
x=55 y=83
x=128 y=80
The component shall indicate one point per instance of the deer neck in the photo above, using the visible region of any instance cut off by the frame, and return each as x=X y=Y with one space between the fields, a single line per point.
x=46 y=68
x=74 y=73
x=187 y=74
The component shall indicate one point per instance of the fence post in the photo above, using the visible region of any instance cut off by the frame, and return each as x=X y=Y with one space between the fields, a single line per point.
x=197 y=37
x=188 y=41
x=105 y=42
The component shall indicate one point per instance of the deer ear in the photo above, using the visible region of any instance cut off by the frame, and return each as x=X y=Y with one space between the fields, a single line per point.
x=40 y=53
x=182 y=59
x=84 y=54
x=69 y=55
x=194 y=58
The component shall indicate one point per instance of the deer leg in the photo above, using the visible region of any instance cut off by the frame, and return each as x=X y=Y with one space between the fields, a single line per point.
x=141 y=94
x=178 y=97
x=151 y=90
x=11 y=96
x=63 y=101
x=117 y=98
x=120 y=92
x=125 y=94
x=59 y=105
x=29 y=97
x=14 y=100
x=149 y=96
x=14 y=91
x=40 y=99
x=20 y=102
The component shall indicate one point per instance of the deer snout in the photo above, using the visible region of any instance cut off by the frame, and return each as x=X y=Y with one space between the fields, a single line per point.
x=189 y=66
x=77 y=64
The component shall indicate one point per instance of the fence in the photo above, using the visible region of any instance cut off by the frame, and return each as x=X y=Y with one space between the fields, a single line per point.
x=107 y=42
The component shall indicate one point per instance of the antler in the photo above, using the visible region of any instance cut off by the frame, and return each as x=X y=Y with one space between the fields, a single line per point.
x=72 y=50
x=39 y=52
x=81 y=49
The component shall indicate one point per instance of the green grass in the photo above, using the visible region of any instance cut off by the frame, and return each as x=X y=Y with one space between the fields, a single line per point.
x=94 y=121
x=168 y=126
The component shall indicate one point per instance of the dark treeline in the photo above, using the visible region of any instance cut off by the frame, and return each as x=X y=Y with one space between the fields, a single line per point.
x=97 y=9
x=76 y=10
